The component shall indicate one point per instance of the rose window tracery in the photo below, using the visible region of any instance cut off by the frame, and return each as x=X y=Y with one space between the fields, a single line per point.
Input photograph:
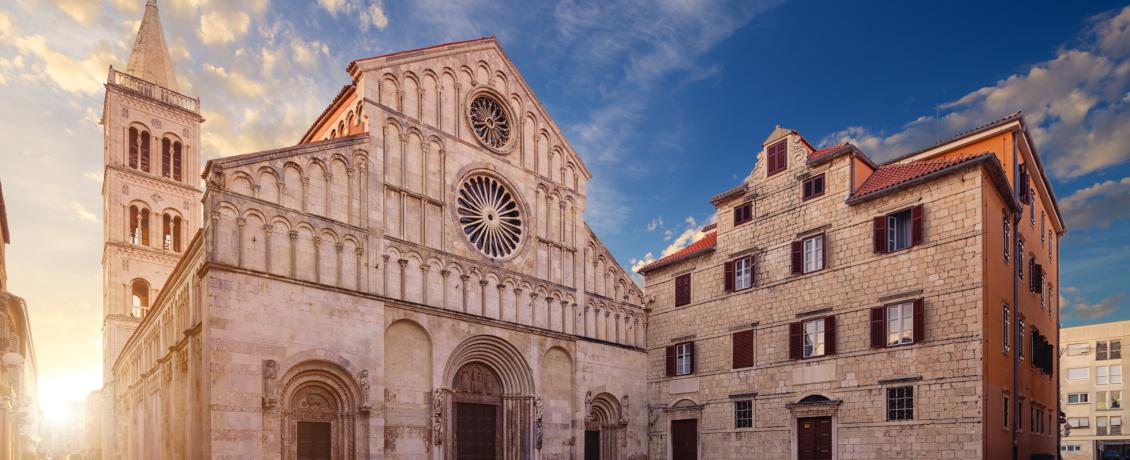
x=490 y=216
x=490 y=121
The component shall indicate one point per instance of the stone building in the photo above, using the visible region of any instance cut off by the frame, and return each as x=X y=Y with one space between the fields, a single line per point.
x=1092 y=390
x=414 y=279
x=843 y=309
x=19 y=407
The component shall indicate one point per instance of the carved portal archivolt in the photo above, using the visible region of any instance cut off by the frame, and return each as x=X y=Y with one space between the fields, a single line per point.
x=318 y=409
x=607 y=419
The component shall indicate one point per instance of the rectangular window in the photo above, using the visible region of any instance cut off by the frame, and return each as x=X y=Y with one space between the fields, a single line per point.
x=1108 y=400
x=813 y=253
x=1079 y=422
x=682 y=290
x=1116 y=374
x=813 y=187
x=777 y=156
x=743 y=414
x=1020 y=339
x=1020 y=259
x=743 y=213
x=813 y=338
x=1079 y=373
x=1101 y=375
x=1043 y=227
x=898 y=231
x=1032 y=208
x=684 y=358
x=1078 y=398
x=900 y=403
x=1100 y=426
x=1076 y=349
x=1006 y=232
x=1115 y=426
x=1108 y=349
x=1049 y=245
x=1100 y=351
x=1006 y=411
x=1022 y=188
x=900 y=324
x=1115 y=348
x=742 y=353
x=743 y=273
x=1020 y=415
x=1007 y=334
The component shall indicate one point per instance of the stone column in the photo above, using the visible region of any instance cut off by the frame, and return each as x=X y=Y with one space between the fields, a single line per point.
x=533 y=308
x=517 y=304
x=349 y=200
x=501 y=287
x=293 y=234
x=267 y=230
x=443 y=294
x=549 y=312
x=403 y=282
x=337 y=276
x=564 y=309
x=464 y=279
x=305 y=188
x=424 y=268
x=317 y=259
x=359 y=262
x=483 y=297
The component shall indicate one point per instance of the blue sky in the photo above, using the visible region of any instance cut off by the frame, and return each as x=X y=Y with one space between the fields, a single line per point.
x=667 y=102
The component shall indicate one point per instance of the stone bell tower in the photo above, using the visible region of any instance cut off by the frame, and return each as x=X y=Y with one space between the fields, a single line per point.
x=151 y=189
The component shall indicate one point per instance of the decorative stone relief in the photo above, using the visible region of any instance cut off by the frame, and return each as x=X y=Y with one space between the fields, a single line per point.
x=270 y=377
x=363 y=378
x=624 y=410
x=537 y=423
x=588 y=404
x=437 y=417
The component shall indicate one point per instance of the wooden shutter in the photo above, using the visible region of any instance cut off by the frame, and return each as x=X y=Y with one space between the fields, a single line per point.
x=752 y=271
x=670 y=361
x=1023 y=185
x=743 y=349
x=798 y=257
x=1038 y=279
x=878 y=327
x=919 y=321
x=823 y=251
x=796 y=340
x=917 y=232
x=728 y=276
x=682 y=290
x=1032 y=274
x=879 y=234
x=830 y=335
x=690 y=354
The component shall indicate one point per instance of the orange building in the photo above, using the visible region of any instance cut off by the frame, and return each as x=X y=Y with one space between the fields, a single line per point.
x=841 y=308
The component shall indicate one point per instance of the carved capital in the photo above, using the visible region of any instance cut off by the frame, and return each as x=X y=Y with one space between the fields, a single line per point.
x=338 y=247
x=240 y=222
x=402 y=262
x=293 y=234
x=444 y=272
x=464 y=278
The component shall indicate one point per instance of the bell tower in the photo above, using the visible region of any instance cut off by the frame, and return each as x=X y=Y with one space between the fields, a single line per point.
x=151 y=189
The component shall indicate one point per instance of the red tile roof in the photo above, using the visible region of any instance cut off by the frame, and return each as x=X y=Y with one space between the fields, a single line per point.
x=893 y=175
x=704 y=244
x=826 y=151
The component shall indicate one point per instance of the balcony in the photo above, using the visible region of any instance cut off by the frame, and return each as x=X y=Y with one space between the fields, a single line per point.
x=152 y=91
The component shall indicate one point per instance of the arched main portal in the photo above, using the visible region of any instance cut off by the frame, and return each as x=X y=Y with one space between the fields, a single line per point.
x=605 y=429
x=487 y=412
x=319 y=414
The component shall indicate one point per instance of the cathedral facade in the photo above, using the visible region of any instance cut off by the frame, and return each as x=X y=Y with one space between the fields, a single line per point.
x=413 y=279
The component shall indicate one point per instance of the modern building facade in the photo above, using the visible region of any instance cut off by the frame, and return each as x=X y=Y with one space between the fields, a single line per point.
x=414 y=279
x=1091 y=390
x=844 y=309
x=19 y=406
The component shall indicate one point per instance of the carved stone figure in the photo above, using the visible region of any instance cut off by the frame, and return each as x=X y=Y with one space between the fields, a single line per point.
x=537 y=423
x=363 y=381
x=437 y=417
x=270 y=375
x=624 y=410
x=588 y=404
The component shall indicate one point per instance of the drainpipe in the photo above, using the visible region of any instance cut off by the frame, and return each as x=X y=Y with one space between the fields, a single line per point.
x=1017 y=260
x=851 y=180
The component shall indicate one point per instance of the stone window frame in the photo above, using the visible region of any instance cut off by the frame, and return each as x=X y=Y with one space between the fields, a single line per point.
x=684 y=359
x=808 y=193
x=743 y=416
x=817 y=259
x=743 y=213
x=904 y=413
x=776 y=157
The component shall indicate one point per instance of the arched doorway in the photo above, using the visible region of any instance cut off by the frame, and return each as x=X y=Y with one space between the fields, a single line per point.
x=604 y=429
x=318 y=413
x=814 y=427
x=476 y=399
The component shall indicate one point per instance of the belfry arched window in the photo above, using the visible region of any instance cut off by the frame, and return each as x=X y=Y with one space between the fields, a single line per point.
x=171 y=232
x=171 y=159
x=138 y=225
x=139 y=149
x=139 y=298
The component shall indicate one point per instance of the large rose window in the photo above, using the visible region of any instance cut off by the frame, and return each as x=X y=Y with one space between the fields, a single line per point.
x=489 y=216
x=491 y=121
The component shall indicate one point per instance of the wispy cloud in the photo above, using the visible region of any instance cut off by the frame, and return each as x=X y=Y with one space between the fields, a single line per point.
x=1074 y=103
x=1097 y=206
x=1080 y=308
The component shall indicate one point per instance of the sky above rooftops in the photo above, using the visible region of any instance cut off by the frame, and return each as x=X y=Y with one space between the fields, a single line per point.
x=667 y=102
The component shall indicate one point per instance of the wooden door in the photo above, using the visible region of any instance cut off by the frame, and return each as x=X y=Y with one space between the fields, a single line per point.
x=314 y=441
x=814 y=438
x=684 y=439
x=476 y=430
x=592 y=445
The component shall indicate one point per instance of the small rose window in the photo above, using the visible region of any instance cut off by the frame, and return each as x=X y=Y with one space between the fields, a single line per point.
x=490 y=120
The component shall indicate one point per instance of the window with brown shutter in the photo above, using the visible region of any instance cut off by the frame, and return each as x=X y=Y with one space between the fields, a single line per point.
x=898 y=230
x=813 y=187
x=777 y=158
x=798 y=257
x=919 y=321
x=1023 y=186
x=683 y=290
x=743 y=213
x=829 y=335
x=737 y=274
x=684 y=358
x=728 y=276
x=879 y=234
x=879 y=327
x=917 y=231
x=742 y=349
x=796 y=340
x=670 y=359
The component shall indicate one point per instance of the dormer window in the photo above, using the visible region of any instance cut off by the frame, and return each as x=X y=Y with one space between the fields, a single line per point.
x=777 y=158
x=743 y=213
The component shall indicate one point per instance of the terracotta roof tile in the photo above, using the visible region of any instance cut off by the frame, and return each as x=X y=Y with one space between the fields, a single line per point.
x=892 y=175
x=706 y=243
x=816 y=155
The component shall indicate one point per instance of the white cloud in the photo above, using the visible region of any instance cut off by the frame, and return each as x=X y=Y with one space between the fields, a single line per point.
x=82 y=213
x=95 y=176
x=374 y=16
x=217 y=27
x=1099 y=205
x=75 y=75
x=1073 y=104
x=236 y=82
x=1081 y=309
x=82 y=11
x=127 y=6
x=654 y=224
x=333 y=6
